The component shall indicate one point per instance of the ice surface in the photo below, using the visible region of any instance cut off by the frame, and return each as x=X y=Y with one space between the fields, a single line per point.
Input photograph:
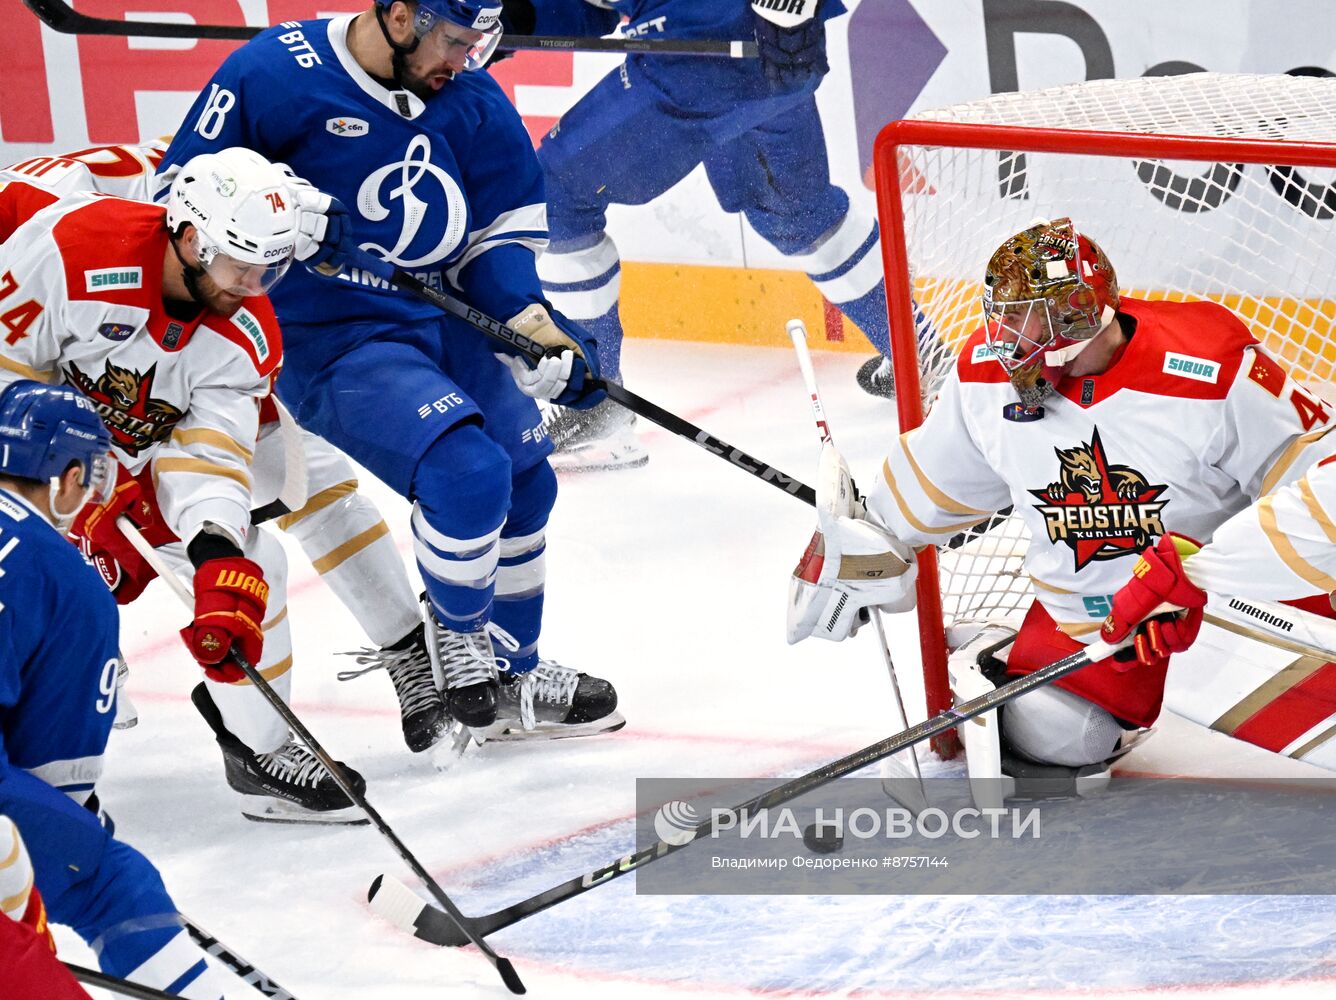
x=669 y=580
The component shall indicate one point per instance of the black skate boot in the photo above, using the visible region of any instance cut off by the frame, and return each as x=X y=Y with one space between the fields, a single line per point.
x=876 y=378
x=598 y=439
x=553 y=702
x=421 y=707
x=289 y=785
x=466 y=668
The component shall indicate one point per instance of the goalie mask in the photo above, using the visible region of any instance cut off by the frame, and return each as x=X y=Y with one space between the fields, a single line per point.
x=1047 y=292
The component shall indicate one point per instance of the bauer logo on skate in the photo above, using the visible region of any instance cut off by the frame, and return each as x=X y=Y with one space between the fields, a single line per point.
x=1100 y=511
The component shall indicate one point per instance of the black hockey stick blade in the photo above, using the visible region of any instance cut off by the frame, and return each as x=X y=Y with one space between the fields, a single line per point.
x=60 y=16
x=433 y=925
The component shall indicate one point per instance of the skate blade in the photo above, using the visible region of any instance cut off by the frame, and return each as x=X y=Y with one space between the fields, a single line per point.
x=502 y=732
x=265 y=809
x=452 y=747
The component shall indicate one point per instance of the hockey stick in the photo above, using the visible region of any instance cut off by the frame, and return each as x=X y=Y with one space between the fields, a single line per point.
x=60 y=16
x=182 y=590
x=249 y=974
x=425 y=921
x=797 y=331
x=125 y=987
x=636 y=404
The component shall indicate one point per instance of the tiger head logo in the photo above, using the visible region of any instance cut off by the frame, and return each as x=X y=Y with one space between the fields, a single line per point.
x=1098 y=509
x=125 y=402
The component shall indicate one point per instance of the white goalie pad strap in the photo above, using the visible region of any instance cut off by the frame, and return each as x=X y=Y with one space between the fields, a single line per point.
x=980 y=735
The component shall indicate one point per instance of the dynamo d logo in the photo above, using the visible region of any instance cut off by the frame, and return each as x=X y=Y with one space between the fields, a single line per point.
x=675 y=823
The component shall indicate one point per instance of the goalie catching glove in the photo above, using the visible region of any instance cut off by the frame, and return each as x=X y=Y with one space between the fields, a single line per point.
x=1158 y=579
x=851 y=563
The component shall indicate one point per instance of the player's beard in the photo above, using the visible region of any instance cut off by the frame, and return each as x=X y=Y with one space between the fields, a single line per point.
x=206 y=293
x=418 y=79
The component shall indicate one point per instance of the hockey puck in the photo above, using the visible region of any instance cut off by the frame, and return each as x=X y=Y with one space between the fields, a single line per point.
x=822 y=839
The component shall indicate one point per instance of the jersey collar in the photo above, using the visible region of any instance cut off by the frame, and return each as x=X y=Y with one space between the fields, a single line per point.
x=401 y=102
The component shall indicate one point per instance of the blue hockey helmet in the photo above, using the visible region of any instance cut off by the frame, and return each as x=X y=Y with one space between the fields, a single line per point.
x=43 y=428
x=476 y=15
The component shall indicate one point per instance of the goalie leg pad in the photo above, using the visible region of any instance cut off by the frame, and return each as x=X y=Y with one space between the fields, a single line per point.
x=1053 y=726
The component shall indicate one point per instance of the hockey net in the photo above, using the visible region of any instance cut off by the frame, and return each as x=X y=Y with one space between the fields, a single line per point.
x=1203 y=186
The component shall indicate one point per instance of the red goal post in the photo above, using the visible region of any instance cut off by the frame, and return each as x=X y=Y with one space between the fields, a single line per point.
x=1192 y=186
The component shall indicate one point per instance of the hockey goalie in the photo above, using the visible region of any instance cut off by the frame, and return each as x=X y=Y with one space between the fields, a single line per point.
x=1113 y=427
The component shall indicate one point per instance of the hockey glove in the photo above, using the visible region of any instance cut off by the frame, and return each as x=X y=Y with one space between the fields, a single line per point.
x=324 y=228
x=1158 y=578
x=125 y=572
x=851 y=564
x=791 y=43
x=571 y=360
x=230 y=599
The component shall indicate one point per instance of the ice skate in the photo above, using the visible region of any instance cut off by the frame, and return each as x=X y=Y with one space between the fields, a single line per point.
x=598 y=439
x=289 y=785
x=553 y=702
x=465 y=669
x=876 y=378
x=421 y=708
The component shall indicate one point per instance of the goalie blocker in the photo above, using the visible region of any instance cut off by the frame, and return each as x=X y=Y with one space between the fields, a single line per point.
x=850 y=565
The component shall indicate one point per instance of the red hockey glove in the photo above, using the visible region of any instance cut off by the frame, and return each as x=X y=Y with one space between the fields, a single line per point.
x=123 y=569
x=1157 y=578
x=230 y=597
x=34 y=915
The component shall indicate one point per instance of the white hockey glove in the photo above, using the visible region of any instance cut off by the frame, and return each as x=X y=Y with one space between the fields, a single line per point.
x=559 y=376
x=850 y=564
x=324 y=228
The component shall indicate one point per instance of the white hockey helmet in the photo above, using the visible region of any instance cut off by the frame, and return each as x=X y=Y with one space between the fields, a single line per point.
x=244 y=214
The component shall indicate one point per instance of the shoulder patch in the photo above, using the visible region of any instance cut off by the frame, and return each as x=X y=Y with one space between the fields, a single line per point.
x=106 y=279
x=246 y=322
x=1267 y=372
x=1186 y=366
x=254 y=329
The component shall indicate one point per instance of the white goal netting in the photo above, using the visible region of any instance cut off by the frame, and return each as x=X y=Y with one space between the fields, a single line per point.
x=1257 y=237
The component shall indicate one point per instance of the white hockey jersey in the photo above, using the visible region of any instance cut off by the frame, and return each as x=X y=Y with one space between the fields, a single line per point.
x=1190 y=423
x=125 y=171
x=81 y=303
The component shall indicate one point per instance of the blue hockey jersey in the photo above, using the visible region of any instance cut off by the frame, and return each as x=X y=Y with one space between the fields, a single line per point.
x=718 y=20
x=58 y=654
x=448 y=188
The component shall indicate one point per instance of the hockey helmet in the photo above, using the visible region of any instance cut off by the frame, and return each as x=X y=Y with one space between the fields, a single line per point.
x=475 y=15
x=1046 y=292
x=43 y=428
x=244 y=214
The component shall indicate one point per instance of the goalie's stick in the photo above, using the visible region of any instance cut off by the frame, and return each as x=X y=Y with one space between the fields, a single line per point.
x=60 y=16
x=396 y=902
x=502 y=965
x=499 y=331
x=797 y=331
